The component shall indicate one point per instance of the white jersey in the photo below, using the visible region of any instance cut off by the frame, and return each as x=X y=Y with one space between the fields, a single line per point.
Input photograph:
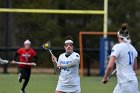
x=125 y=54
x=69 y=76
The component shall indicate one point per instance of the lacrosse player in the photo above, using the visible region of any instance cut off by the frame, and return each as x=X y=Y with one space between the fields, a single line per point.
x=25 y=54
x=125 y=57
x=69 y=81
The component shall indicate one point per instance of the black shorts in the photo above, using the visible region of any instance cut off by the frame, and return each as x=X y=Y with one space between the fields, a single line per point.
x=25 y=73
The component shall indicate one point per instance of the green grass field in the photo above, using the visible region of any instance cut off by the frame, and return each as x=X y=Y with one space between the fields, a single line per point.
x=47 y=84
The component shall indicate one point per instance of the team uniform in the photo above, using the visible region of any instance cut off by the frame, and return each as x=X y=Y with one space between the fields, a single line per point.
x=69 y=80
x=125 y=54
x=25 y=56
x=25 y=70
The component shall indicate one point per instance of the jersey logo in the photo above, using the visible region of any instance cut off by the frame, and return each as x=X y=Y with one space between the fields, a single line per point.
x=26 y=55
x=66 y=62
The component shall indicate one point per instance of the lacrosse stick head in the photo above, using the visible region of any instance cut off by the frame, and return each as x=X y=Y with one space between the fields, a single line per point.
x=46 y=45
x=4 y=61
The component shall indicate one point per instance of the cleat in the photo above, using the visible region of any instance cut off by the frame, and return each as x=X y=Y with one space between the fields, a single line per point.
x=19 y=78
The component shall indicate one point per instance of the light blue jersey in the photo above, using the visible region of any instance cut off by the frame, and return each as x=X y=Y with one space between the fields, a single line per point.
x=69 y=80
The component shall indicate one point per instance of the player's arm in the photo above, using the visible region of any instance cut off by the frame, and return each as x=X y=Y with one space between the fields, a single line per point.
x=114 y=54
x=72 y=64
x=75 y=60
x=15 y=57
x=35 y=58
x=109 y=68
x=135 y=60
x=135 y=64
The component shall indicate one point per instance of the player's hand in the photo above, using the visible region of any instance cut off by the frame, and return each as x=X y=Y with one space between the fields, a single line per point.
x=58 y=65
x=54 y=59
x=13 y=61
x=34 y=64
x=104 y=81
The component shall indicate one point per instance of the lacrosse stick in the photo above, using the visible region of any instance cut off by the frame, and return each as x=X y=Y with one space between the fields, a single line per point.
x=24 y=63
x=4 y=61
x=110 y=75
x=47 y=46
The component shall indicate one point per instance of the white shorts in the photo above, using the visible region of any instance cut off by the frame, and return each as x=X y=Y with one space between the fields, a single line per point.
x=127 y=87
x=68 y=88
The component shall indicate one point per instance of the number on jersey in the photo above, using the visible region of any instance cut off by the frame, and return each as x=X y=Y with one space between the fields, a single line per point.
x=130 y=54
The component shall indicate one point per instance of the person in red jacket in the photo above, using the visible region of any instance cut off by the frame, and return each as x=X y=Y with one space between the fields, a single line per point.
x=25 y=54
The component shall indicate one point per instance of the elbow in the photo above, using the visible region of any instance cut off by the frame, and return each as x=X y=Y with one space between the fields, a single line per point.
x=135 y=64
x=135 y=68
x=109 y=68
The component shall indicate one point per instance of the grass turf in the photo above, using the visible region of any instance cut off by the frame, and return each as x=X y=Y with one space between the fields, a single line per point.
x=47 y=84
